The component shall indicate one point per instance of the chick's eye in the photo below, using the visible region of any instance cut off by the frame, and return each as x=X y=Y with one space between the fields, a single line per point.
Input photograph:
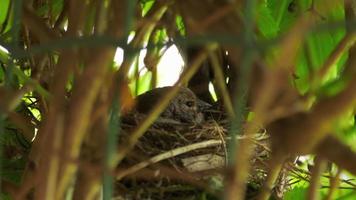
x=189 y=103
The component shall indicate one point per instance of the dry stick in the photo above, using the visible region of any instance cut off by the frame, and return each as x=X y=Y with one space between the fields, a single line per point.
x=189 y=9
x=335 y=106
x=66 y=64
x=23 y=123
x=100 y=21
x=219 y=14
x=341 y=154
x=146 y=30
x=35 y=24
x=54 y=162
x=27 y=42
x=221 y=132
x=87 y=185
x=42 y=142
x=281 y=68
x=302 y=134
x=166 y=155
x=346 y=42
x=290 y=139
x=83 y=99
x=334 y=184
x=222 y=85
x=12 y=99
x=82 y=102
x=298 y=173
x=7 y=105
x=275 y=82
x=275 y=166
x=156 y=14
x=158 y=108
x=40 y=155
x=319 y=167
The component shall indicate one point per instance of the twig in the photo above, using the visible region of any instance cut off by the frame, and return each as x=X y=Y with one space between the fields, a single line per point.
x=334 y=184
x=275 y=166
x=166 y=155
x=34 y=23
x=214 y=17
x=155 y=15
x=221 y=132
x=220 y=81
x=317 y=170
x=343 y=45
x=340 y=154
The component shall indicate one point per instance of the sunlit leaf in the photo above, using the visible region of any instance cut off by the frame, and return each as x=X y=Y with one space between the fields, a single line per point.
x=180 y=25
x=266 y=23
x=146 y=6
x=4 y=8
x=144 y=82
x=332 y=87
x=296 y=193
x=25 y=79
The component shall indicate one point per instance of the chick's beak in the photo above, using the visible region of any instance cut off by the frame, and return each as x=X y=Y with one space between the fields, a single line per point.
x=202 y=105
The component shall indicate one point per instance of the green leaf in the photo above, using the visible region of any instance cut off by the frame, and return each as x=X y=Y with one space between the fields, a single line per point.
x=286 y=12
x=332 y=88
x=25 y=79
x=320 y=45
x=345 y=194
x=130 y=15
x=266 y=23
x=146 y=6
x=57 y=6
x=12 y=170
x=144 y=82
x=4 y=196
x=180 y=24
x=13 y=176
x=296 y=193
x=302 y=72
x=4 y=9
x=4 y=55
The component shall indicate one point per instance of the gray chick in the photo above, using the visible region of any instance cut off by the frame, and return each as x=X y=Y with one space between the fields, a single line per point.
x=185 y=107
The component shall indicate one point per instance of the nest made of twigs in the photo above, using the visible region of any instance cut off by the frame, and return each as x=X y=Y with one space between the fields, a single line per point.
x=189 y=154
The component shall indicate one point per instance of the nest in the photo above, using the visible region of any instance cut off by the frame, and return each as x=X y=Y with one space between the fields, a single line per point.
x=173 y=160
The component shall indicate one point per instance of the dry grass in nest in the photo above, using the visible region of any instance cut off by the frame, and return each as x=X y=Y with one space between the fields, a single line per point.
x=173 y=157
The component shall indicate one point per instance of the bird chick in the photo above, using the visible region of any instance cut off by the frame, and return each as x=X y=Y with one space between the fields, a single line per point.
x=185 y=107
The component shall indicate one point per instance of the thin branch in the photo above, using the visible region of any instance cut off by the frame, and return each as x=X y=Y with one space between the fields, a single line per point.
x=166 y=155
x=335 y=55
x=35 y=24
x=155 y=14
x=334 y=184
x=222 y=84
x=314 y=186
x=340 y=154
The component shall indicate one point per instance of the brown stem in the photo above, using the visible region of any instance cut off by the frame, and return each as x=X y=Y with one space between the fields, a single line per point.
x=334 y=150
x=36 y=25
x=317 y=170
x=334 y=184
